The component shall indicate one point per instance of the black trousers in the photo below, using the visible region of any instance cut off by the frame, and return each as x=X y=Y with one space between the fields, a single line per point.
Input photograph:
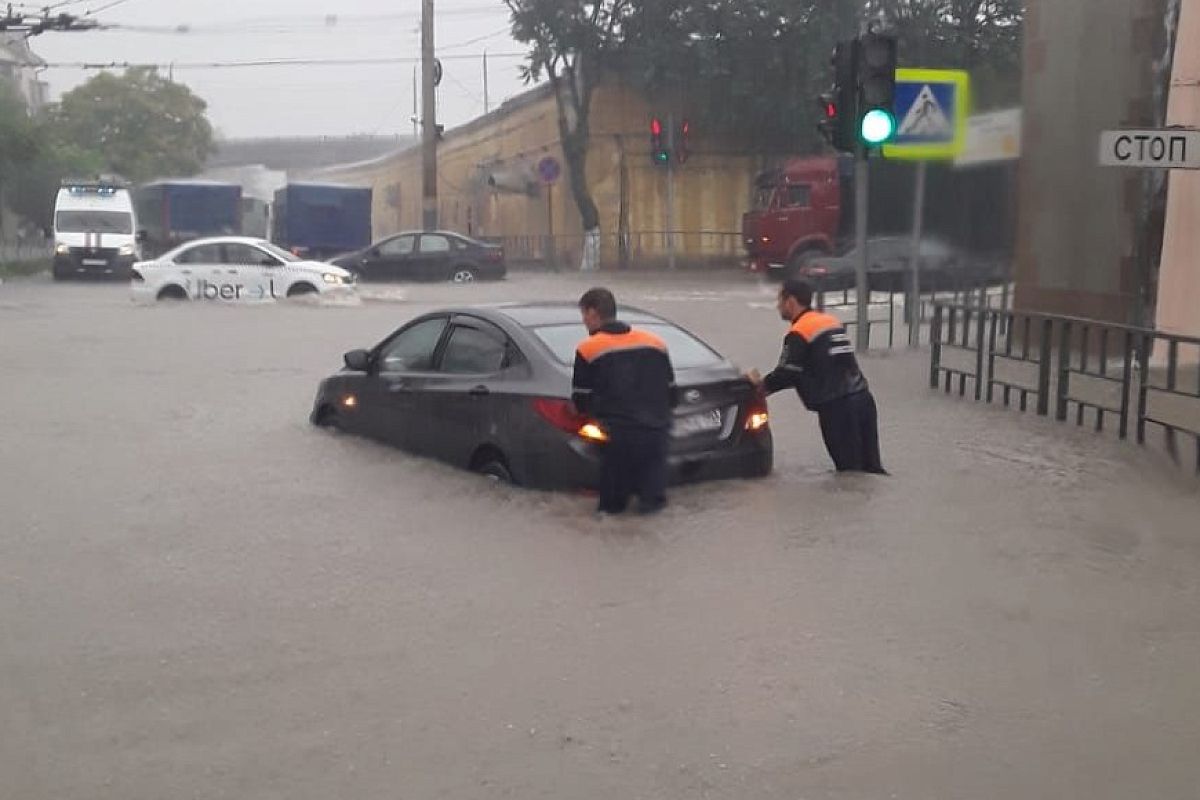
x=850 y=427
x=634 y=461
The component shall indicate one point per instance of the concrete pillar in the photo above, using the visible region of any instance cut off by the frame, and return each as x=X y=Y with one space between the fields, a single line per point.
x=1089 y=66
x=1178 y=309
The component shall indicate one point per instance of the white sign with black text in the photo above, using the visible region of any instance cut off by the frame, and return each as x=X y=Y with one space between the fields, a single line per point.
x=1171 y=148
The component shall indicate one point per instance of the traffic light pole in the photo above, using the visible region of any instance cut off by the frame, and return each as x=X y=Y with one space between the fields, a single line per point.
x=861 y=206
x=671 y=191
x=914 y=297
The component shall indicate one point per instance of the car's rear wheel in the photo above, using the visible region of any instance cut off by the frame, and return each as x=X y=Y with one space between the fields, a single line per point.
x=172 y=293
x=490 y=463
x=463 y=275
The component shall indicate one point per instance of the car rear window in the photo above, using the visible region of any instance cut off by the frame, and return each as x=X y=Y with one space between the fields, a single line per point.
x=687 y=352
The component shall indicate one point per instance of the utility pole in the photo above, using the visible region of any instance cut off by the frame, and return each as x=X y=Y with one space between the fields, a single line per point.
x=416 y=95
x=487 y=105
x=429 y=190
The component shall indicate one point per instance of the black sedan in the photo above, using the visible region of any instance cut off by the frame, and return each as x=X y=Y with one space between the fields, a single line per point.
x=426 y=256
x=488 y=389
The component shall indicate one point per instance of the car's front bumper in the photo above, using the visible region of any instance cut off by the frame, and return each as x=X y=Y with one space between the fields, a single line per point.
x=77 y=265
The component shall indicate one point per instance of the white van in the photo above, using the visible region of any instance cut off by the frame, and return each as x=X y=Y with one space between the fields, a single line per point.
x=95 y=229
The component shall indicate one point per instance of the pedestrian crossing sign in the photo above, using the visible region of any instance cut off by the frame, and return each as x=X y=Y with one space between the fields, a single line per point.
x=932 y=106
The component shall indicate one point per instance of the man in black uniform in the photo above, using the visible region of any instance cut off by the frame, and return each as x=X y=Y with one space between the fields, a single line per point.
x=623 y=378
x=818 y=362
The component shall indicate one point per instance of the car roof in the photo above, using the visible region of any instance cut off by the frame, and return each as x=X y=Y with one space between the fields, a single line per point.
x=455 y=234
x=225 y=240
x=533 y=315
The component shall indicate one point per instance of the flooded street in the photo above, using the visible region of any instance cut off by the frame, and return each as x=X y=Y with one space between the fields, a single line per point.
x=203 y=596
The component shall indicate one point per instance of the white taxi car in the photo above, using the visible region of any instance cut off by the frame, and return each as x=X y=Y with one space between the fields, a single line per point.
x=231 y=269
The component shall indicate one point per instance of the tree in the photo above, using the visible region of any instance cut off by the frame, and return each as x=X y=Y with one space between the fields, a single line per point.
x=572 y=43
x=143 y=125
x=34 y=185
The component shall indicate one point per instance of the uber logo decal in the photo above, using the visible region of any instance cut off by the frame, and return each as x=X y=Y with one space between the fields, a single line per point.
x=233 y=291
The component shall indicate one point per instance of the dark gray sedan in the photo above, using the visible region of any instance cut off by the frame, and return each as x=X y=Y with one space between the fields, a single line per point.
x=488 y=389
x=943 y=267
x=426 y=256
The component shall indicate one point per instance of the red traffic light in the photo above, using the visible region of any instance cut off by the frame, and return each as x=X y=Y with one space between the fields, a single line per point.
x=656 y=127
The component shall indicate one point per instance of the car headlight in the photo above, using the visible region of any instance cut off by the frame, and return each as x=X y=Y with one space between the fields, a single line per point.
x=62 y=250
x=126 y=250
x=336 y=280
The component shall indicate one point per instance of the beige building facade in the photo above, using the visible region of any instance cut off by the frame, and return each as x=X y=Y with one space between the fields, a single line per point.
x=489 y=185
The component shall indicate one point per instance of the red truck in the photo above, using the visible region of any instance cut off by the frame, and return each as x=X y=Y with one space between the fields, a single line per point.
x=797 y=213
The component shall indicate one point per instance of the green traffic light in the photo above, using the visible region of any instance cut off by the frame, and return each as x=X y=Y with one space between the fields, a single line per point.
x=878 y=126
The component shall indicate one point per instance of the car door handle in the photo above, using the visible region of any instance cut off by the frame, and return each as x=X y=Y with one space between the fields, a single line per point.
x=399 y=387
x=232 y=271
x=479 y=391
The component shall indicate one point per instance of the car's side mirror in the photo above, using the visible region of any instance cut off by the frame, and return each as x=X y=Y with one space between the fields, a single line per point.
x=358 y=360
x=141 y=236
x=269 y=262
x=374 y=252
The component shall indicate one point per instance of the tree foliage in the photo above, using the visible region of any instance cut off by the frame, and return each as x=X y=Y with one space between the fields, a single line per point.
x=19 y=141
x=143 y=125
x=751 y=70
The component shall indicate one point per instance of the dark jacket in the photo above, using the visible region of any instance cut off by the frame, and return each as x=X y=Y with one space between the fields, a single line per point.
x=817 y=361
x=623 y=378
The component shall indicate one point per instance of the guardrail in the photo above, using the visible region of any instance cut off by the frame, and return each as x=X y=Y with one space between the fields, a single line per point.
x=882 y=307
x=634 y=250
x=1080 y=368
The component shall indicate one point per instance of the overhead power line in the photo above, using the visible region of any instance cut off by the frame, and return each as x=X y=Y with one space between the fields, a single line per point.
x=269 y=62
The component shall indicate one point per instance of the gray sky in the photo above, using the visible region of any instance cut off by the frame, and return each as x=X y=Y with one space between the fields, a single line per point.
x=301 y=100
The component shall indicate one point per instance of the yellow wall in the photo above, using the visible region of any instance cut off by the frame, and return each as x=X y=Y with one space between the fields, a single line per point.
x=711 y=190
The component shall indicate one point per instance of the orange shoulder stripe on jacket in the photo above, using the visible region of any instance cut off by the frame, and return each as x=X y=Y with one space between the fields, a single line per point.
x=814 y=323
x=599 y=344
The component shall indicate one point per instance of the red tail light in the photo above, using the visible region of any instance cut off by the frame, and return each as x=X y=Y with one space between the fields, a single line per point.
x=562 y=415
x=757 y=418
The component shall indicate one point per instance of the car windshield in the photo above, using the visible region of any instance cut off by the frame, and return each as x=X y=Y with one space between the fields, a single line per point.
x=762 y=197
x=687 y=352
x=94 y=221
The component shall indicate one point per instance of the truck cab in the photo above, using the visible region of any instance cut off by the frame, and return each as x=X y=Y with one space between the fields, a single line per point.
x=796 y=212
x=95 y=229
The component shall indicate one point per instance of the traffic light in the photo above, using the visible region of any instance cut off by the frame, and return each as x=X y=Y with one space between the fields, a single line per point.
x=658 y=150
x=683 y=143
x=876 y=88
x=839 y=107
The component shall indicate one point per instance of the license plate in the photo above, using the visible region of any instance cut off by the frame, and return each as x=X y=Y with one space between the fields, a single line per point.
x=95 y=262
x=697 y=423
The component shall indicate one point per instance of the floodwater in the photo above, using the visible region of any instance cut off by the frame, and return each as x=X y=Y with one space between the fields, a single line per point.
x=202 y=596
